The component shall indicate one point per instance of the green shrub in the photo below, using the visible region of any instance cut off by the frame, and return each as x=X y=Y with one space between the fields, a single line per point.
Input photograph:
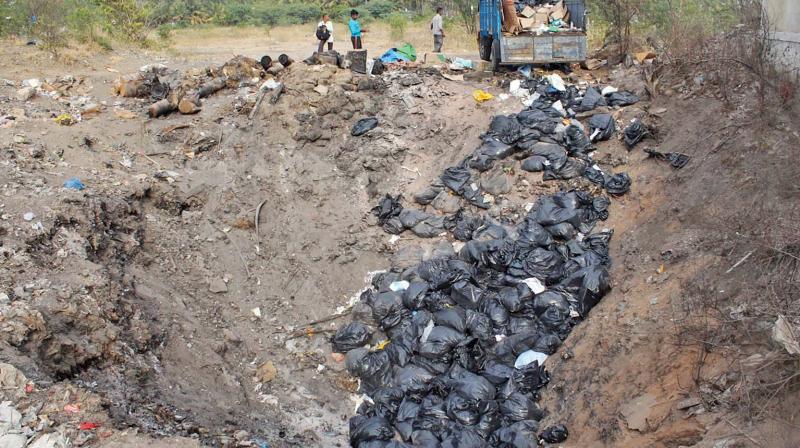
x=268 y=15
x=380 y=9
x=234 y=14
x=398 y=22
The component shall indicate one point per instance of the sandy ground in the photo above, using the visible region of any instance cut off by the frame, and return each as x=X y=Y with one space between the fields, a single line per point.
x=216 y=43
x=149 y=302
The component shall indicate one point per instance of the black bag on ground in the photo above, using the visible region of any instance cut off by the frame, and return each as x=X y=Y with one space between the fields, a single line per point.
x=366 y=429
x=605 y=124
x=622 y=98
x=577 y=141
x=636 y=132
x=363 y=126
x=591 y=100
x=555 y=434
x=352 y=336
x=506 y=129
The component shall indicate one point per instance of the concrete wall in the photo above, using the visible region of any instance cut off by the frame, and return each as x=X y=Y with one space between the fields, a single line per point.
x=784 y=21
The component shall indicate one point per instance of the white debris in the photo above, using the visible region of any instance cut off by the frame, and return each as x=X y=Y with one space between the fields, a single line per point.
x=608 y=90
x=528 y=357
x=557 y=83
x=535 y=285
x=28 y=216
x=400 y=285
x=256 y=312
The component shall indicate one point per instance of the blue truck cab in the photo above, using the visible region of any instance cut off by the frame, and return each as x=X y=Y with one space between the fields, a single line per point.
x=530 y=47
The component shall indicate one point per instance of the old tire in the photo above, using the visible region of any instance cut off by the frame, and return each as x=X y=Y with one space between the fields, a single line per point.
x=495 y=55
x=485 y=47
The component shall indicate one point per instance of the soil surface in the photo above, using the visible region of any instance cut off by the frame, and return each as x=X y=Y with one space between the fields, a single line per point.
x=154 y=304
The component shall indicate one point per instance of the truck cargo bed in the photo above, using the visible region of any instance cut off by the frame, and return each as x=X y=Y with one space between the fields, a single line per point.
x=544 y=49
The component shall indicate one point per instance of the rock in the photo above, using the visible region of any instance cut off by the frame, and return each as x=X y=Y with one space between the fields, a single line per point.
x=266 y=372
x=688 y=403
x=217 y=286
x=12 y=382
x=275 y=68
x=241 y=435
x=50 y=440
x=322 y=90
x=637 y=411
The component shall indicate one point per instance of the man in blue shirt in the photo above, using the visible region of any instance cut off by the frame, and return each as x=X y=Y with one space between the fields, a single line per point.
x=355 y=30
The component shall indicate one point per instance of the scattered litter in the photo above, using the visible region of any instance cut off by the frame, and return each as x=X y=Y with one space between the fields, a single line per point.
x=88 y=426
x=461 y=64
x=256 y=312
x=785 y=334
x=676 y=160
x=74 y=184
x=363 y=126
x=636 y=132
x=125 y=114
x=65 y=120
x=556 y=82
x=481 y=96
x=528 y=357
x=71 y=409
x=608 y=90
x=28 y=216
x=555 y=434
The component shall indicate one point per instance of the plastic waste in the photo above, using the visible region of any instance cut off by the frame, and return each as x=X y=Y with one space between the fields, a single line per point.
x=602 y=127
x=505 y=129
x=592 y=99
x=676 y=160
x=363 y=126
x=555 y=434
x=366 y=429
x=480 y=96
x=556 y=82
x=74 y=184
x=528 y=357
x=352 y=336
x=636 y=132
x=621 y=99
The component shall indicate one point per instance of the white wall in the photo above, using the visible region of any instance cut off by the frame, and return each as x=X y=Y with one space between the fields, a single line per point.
x=784 y=22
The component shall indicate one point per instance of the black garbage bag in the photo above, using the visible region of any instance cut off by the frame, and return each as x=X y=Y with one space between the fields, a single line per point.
x=553 y=297
x=426 y=196
x=406 y=414
x=387 y=402
x=414 y=295
x=577 y=142
x=400 y=349
x=462 y=410
x=505 y=129
x=443 y=273
x=456 y=178
x=548 y=344
x=591 y=100
x=551 y=210
x=476 y=197
x=602 y=127
x=479 y=325
x=462 y=225
x=430 y=227
x=636 y=132
x=472 y=387
x=618 y=184
x=388 y=309
x=532 y=117
x=411 y=217
x=621 y=98
x=676 y=159
x=532 y=234
x=537 y=262
x=555 y=154
x=363 y=126
x=464 y=438
x=588 y=285
x=373 y=368
x=387 y=208
x=441 y=341
x=490 y=150
x=425 y=439
x=534 y=164
x=497 y=372
x=366 y=429
x=413 y=379
x=352 y=336
x=555 y=434
x=518 y=435
x=531 y=377
x=455 y=318
x=572 y=168
x=518 y=407
x=594 y=175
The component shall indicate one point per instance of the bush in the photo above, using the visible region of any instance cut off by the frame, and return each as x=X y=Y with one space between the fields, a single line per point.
x=236 y=14
x=398 y=22
x=380 y=9
x=268 y=15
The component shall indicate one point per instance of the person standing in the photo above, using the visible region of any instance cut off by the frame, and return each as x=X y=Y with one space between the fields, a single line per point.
x=355 y=30
x=437 y=28
x=325 y=30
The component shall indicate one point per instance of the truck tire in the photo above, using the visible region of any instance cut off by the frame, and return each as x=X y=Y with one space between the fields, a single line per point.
x=485 y=47
x=495 y=55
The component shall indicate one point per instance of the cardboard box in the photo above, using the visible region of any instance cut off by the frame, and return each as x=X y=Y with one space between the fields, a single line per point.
x=528 y=12
x=559 y=12
x=527 y=23
x=541 y=17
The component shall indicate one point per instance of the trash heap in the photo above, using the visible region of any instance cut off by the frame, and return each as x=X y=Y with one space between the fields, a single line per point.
x=450 y=351
x=541 y=16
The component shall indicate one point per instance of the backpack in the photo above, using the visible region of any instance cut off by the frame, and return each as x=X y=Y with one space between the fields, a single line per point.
x=323 y=33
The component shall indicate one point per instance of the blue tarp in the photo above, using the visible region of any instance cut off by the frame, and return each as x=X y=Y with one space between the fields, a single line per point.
x=394 y=56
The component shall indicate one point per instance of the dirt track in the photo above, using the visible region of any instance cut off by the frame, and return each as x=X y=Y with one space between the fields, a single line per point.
x=135 y=298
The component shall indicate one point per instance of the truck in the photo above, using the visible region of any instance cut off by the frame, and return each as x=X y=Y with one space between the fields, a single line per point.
x=530 y=46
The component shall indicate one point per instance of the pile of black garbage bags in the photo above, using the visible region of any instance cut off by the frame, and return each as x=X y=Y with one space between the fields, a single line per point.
x=467 y=333
x=450 y=352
